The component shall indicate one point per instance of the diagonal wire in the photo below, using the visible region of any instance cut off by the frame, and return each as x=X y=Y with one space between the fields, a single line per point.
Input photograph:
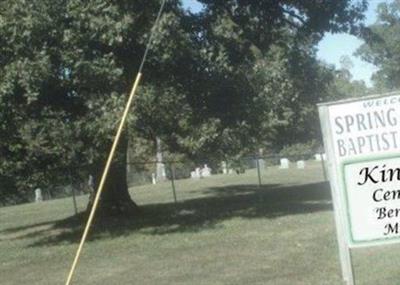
x=113 y=148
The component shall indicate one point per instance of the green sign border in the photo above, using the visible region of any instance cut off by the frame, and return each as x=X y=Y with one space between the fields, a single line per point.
x=344 y=195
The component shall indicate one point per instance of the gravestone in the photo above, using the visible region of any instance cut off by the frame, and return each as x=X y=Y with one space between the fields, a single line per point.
x=261 y=163
x=301 y=164
x=69 y=189
x=198 y=172
x=318 y=157
x=230 y=171
x=38 y=195
x=160 y=166
x=205 y=171
x=153 y=178
x=161 y=175
x=284 y=163
x=195 y=174
x=90 y=183
x=224 y=167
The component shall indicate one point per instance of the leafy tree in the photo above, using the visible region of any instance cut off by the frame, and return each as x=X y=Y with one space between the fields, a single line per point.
x=342 y=86
x=35 y=106
x=289 y=83
x=67 y=66
x=268 y=49
x=382 y=46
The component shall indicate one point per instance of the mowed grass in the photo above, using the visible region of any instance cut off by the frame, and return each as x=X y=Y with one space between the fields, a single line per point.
x=224 y=230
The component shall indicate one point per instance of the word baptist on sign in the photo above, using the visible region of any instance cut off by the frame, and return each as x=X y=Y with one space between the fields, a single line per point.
x=367 y=125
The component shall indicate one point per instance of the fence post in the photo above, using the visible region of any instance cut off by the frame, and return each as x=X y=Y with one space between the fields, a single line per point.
x=323 y=166
x=258 y=171
x=172 y=168
x=73 y=193
x=74 y=200
x=49 y=194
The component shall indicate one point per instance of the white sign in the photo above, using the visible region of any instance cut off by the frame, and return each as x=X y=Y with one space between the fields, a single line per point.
x=365 y=137
x=362 y=141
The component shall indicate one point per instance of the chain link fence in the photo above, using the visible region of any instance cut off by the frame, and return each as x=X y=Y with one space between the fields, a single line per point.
x=168 y=173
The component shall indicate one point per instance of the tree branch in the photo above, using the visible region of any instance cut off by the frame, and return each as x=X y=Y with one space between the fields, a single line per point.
x=294 y=15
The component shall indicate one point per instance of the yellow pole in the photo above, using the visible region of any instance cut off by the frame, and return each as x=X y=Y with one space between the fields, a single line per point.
x=113 y=148
x=104 y=177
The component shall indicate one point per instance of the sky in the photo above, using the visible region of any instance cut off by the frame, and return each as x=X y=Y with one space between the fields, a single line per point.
x=333 y=46
x=193 y=5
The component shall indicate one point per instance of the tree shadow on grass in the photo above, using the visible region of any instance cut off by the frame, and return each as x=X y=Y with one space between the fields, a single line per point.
x=207 y=212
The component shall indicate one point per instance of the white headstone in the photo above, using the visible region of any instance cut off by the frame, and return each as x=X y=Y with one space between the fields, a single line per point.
x=90 y=183
x=198 y=172
x=301 y=164
x=284 y=163
x=261 y=163
x=318 y=157
x=224 y=168
x=195 y=174
x=160 y=166
x=153 y=178
x=206 y=171
x=230 y=171
x=68 y=189
x=38 y=195
x=161 y=175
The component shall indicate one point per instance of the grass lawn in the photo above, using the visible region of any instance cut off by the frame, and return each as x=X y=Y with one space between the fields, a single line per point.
x=224 y=230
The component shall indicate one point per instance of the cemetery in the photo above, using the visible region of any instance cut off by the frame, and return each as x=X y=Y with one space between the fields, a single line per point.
x=228 y=205
x=262 y=240
x=199 y=142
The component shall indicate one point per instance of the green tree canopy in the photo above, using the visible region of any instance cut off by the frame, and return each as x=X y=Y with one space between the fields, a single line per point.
x=221 y=81
x=382 y=46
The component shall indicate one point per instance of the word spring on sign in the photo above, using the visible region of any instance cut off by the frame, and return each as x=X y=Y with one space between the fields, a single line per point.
x=371 y=122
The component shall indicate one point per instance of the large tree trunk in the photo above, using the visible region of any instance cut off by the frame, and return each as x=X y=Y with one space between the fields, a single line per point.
x=115 y=198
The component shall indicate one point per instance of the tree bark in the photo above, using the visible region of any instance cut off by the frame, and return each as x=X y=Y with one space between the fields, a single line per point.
x=115 y=198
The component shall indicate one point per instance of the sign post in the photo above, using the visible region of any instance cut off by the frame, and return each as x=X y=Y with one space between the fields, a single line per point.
x=362 y=142
x=344 y=250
